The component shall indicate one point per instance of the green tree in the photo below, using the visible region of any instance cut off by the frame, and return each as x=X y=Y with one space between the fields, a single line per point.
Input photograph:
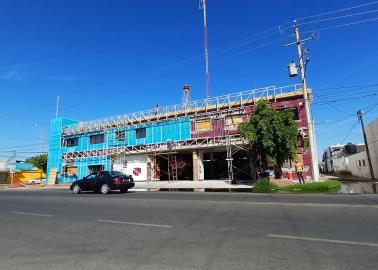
x=272 y=135
x=39 y=161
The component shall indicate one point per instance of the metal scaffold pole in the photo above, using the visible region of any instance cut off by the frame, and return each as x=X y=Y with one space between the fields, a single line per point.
x=230 y=166
x=203 y=7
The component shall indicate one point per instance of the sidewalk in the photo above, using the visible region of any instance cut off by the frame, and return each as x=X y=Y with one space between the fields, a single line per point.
x=208 y=185
x=198 y=185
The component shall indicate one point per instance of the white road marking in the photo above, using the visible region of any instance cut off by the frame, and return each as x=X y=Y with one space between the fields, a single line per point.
x=296 y=204
x=322 y=240
x=31 y=214
x=133 y=223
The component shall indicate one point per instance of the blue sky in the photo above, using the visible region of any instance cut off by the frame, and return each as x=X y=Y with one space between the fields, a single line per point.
x=112 y=57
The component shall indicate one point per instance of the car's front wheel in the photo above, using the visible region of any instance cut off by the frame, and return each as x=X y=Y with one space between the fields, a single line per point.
x=76 y=189
x=105 y=189
x=123 y=190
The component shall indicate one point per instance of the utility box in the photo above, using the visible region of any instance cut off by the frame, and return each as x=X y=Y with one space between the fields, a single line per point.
x=293 y=70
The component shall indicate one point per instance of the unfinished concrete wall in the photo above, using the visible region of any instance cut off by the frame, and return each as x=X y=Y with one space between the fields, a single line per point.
x=358 y=165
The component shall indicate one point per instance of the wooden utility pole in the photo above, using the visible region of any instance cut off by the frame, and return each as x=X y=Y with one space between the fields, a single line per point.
x=311 y=137
x=360 y=115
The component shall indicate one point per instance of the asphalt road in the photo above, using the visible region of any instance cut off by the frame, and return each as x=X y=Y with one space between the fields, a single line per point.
x=53 y=229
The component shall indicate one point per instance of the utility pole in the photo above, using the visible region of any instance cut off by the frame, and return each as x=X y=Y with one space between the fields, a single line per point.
x=360 y=115
x=302 y=66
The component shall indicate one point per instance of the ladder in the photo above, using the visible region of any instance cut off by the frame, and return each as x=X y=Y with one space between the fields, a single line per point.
x=172 y=168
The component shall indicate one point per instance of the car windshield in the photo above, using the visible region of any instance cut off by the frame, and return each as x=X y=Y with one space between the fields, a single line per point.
x=117 y=173
x=91 y=176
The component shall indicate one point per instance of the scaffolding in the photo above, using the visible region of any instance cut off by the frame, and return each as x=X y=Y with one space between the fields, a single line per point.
x=194 y=143
x=225 y=103
x=215 y=108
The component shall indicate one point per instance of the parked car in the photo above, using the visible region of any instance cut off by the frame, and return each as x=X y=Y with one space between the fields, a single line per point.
x=34 y=181
x=103 y=182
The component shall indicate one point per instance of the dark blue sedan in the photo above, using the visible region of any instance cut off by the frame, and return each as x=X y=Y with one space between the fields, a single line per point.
x=103 y=182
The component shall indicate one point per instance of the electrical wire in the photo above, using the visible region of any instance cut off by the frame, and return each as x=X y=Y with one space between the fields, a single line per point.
x=369 y=110
x=310 y=9
x=332 y=106
x=337 y=93
x=350 y=86
x=342 y=25
x=340 y=17
x=349 y=132
x=345 y=118
x=337 y=11
x=294 y=10
x=343 y=99
x=249 y=50
x=266 y=33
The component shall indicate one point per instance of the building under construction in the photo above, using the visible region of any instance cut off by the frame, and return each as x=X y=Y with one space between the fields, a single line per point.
x=194 y=140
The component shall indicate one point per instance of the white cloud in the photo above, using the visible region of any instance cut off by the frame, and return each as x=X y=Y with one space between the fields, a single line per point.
x=13 y=75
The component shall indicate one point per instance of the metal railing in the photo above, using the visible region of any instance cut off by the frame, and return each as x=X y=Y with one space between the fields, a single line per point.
x=194 y=108
x=195 y=143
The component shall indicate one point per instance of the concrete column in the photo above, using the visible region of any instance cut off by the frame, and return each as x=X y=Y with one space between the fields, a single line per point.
x=201 y=168
x=149 y=168
x=195 y=165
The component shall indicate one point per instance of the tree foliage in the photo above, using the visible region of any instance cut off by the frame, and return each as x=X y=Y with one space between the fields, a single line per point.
x=272 y=134
x=38 y=161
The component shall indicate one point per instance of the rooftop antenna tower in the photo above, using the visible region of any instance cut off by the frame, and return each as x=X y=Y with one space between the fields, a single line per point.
x=202 y=5
x=186 y=95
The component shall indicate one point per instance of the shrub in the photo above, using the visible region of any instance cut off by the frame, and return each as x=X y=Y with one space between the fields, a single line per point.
x=264 y=186
x=325 y=186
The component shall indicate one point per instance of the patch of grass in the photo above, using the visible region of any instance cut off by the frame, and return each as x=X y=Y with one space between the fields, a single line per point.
x=329 y=186
x=265 y=186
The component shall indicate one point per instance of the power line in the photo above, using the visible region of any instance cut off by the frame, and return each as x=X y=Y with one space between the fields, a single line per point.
x=294 y=10
x=343 y=99
x=337 y=11
x=375 y=105
x=350 y=131
x=344 y=118
x=334 y=107
x=250 y=50
x=328 y=7
x=340 y=17
x=310 y=9
x=354 y=91
x=350 y=86
x=336 y=122
x=343 y=25
x=22 y=146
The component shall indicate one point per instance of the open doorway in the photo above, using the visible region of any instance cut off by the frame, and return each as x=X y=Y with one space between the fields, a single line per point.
x=183 y=163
